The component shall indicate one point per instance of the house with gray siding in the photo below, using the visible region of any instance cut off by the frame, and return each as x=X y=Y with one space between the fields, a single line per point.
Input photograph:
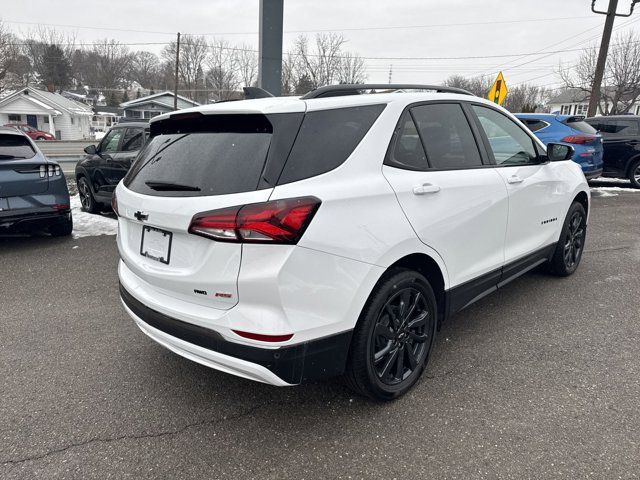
x=47 y=111
x=153 y=105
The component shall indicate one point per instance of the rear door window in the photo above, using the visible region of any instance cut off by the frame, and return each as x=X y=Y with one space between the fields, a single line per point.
x=15 y=146
x=447 y=136
x=326 y=139
x=133 y=140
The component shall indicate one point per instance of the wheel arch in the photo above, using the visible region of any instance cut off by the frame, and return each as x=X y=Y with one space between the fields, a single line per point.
x=630 y=162
x=429 y=268
x=582 y=198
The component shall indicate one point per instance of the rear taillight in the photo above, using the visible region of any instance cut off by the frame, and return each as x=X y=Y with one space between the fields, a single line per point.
x=50 y=170
x=277 y=221
x=579 y=139
x=114 y=204
x=264 y=338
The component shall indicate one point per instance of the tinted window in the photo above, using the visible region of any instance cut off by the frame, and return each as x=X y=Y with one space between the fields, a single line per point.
x=533 y=124
x=133 y=140
x=579 y=124
x=326 y=139
x=509 y=143
x=407 y=148
x=214 y=163
x=622 y=127
x=110 y=142
x=447 y=136
x=15 y=146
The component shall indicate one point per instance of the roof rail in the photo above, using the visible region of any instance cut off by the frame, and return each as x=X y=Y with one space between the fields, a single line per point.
x=354 y=89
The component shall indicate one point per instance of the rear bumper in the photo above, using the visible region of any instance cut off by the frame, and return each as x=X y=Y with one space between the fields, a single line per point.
x=593 y=173
x=29 y=220
x=287 y=365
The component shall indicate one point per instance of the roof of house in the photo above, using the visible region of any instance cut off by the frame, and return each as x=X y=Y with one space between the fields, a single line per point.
x=570 y=95
x=52 y=100
x=156 y=99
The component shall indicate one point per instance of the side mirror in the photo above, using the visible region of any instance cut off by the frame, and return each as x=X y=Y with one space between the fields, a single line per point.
x=557 y=152
x=90 y=150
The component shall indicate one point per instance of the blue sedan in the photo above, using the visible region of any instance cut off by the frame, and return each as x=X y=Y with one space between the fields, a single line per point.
x=570 y=130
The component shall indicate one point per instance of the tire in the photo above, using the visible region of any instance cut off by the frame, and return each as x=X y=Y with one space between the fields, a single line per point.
x=87 y=200
x=400 y=336
x=570 y=247
x=634 y=174
x=63 y=229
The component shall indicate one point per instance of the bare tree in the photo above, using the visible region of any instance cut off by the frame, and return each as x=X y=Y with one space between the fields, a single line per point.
x=221 y=72
x=525 y=98
x=321 y=63
x=621 y=82
x=246 y=65
x=193 y=54
x=351 y=69
x=479 y=85
x=146 y=69
x=113 y=64
x=9 y=58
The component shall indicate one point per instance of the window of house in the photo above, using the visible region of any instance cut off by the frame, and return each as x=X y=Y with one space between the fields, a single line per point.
x=582 y=109
x=15 y=118
x=565 y=110
x=134 y=114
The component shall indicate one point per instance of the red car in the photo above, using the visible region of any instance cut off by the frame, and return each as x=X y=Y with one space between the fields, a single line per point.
x=34 y=133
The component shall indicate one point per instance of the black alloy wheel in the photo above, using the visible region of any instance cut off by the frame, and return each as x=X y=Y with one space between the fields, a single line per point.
x=399 y=341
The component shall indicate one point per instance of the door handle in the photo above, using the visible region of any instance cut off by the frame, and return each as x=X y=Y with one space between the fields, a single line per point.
x=514 y=179
x=426 y=188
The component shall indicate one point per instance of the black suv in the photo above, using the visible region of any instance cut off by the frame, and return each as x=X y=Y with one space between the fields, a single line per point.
x=99 y=172
x=621 y=135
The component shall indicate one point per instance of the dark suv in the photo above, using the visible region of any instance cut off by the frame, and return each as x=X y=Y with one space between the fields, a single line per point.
x=98 y=173
x=621 y=136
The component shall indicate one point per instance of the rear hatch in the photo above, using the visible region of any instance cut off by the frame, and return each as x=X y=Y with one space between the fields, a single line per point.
x=22 y=171
x=196 y=163
x=588 y=137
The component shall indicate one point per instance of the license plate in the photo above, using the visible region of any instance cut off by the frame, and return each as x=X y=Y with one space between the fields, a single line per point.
x=156 y=244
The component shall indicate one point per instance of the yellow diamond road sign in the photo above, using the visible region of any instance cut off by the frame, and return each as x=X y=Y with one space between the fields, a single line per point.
x=498 y=91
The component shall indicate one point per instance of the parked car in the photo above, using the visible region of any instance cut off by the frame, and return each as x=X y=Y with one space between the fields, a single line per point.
x=98 y=173
x=31 y=132
x=570 y=130
x=290 y=239
x=33 y=191
x=621 y=146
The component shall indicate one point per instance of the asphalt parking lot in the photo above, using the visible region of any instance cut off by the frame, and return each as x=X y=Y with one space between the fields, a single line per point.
x=539 y=380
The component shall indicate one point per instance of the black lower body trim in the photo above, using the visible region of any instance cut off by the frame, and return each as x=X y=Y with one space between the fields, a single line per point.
x=461 y=296
x=21 y=222
x=313 y=360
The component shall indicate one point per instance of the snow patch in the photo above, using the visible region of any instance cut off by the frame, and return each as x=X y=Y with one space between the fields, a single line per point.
x=91 y=225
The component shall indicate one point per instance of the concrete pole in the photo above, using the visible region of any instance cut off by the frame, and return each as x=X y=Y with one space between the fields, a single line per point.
x=270 y=63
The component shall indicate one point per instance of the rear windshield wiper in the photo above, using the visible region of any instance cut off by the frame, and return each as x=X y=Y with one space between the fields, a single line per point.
x=171 y=187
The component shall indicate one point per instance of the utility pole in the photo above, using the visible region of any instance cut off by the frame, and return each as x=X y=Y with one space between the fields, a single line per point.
x=270 y=66
x=175 y=91
x=596 y=88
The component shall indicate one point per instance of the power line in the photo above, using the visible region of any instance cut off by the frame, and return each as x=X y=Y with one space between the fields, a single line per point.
x=320 y=30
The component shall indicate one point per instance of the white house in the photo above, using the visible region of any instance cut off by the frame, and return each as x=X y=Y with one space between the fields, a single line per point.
x=573 y=101
x=156 y=104
x=46 y=111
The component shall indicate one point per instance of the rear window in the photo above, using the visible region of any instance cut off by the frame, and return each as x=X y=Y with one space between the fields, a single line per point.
x=326 y=139
x=580 y=125
x=200 y=163
x=534 y=124
x=15 y=146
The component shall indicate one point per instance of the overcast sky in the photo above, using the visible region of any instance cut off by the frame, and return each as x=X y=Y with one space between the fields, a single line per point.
x=428 y=28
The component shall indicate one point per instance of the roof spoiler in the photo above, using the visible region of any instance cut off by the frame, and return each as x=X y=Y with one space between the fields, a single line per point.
x=356 y=89
x=251 y=93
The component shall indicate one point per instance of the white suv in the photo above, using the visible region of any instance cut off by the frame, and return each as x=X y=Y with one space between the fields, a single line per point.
x=290 y=239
